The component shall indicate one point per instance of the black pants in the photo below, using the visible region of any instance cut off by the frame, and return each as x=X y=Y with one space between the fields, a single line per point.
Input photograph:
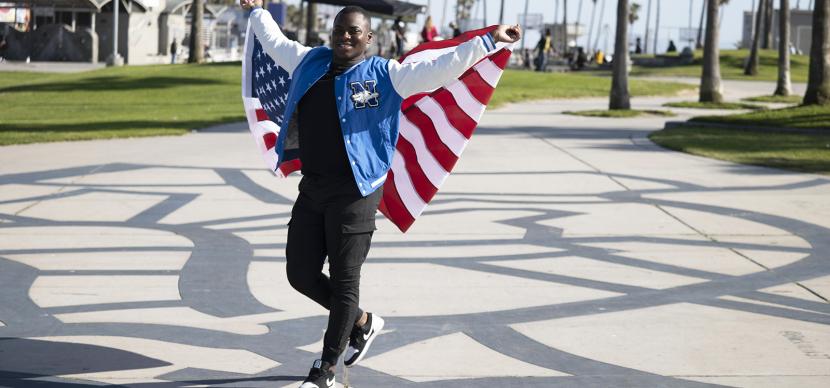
x=331 y=218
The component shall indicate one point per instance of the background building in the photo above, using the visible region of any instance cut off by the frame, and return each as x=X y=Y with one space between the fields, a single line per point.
x=801 y=29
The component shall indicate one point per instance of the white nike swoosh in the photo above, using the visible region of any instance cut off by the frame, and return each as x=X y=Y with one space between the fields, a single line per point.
x=369 y=334
x=330 y=382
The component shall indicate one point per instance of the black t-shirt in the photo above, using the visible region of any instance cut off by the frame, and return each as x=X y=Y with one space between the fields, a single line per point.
x=322 y=150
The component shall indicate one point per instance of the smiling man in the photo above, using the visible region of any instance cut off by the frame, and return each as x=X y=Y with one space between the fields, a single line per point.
x=342 y=123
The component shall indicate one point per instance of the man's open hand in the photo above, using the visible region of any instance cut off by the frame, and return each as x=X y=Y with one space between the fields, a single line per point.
x=506 y=33
x=248 y=4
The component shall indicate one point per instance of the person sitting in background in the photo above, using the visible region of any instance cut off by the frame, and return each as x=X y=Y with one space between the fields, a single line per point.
x=455 y=30
x=672 y=48
x=429 y=32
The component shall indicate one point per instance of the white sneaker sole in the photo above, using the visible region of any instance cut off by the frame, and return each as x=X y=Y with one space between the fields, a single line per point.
x=377 y=326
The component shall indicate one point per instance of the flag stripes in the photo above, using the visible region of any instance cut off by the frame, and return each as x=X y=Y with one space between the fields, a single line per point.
x=434 y=129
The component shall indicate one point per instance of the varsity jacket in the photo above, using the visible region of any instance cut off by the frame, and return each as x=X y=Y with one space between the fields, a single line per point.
x=369 y=94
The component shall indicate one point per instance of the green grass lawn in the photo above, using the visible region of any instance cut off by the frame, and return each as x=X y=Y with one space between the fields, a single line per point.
x=809 y=117
x=620 y=113
x=791 y=99
x=117 y=102
x=174 y=99
x=522 y=85
x=732 y=66
x=712 y=105
x=792 y=151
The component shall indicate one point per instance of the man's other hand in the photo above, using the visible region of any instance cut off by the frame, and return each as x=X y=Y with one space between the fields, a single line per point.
x=248 y=4
x=505 y=33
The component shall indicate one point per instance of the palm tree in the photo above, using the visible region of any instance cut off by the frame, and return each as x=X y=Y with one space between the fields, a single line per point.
x=784 y=87
x=818 y=83
x=766 y=43
x=599 y=24
x=591 y=26
x=620 y=98
x=710 y=85
x=698 y=43
x=657 y=27
x=197 y=50
x=751 y=67
x=648 y=24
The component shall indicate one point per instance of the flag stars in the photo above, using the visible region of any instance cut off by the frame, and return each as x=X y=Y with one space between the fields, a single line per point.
x=282 y=81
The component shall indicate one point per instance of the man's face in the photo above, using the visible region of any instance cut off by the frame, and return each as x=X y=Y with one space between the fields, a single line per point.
x=350 y=36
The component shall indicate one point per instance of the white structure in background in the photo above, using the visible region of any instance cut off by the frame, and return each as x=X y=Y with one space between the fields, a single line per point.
x=801 y=29
x=81 y=30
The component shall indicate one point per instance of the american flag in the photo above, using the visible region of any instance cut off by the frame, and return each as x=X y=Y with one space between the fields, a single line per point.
x=434 y=128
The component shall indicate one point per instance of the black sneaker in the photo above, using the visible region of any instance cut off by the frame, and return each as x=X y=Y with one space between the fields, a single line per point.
x=361 y=338
x=320 y=376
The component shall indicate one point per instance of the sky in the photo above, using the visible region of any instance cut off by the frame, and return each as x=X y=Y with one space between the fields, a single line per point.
x=674 y=15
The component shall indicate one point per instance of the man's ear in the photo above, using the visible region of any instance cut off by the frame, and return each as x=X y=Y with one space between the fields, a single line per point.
x=370 y=36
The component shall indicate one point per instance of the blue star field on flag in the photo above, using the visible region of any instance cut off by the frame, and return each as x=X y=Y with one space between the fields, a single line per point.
x=270 y=83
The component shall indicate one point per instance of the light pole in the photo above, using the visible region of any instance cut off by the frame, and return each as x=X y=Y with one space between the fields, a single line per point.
x=524 y=24
x=115 y=59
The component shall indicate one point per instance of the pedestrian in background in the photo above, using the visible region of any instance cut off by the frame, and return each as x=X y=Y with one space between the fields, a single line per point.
x=542 y=50
x=429 y=32
x=174 y=49
x=400 y=35
x=455 y=30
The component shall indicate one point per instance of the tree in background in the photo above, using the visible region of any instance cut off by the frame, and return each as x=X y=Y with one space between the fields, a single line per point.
x=751 y=67
x=818 y=83
x=766 y=42
x=710 y=82
x=620 y=98
x=197 y=49
x=699 y=41
x=784 y=87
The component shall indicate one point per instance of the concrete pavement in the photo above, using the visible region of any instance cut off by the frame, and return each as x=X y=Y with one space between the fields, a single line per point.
x=563 y=252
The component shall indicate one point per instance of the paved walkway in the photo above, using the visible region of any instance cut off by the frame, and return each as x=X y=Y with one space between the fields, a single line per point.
x=564 y=252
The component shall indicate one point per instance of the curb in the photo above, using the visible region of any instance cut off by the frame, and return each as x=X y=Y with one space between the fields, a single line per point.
x=701 y=124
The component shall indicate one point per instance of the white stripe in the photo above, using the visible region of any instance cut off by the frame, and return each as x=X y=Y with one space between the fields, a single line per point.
x=426 y=161
x=269 y=126
x=450 y=136
x=428 y=55
x=246 y=66
x=466 y=101
x=378 y=181
x=489 y=72
x=406 y=190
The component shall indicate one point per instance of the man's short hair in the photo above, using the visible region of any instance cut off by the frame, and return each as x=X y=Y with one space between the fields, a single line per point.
x=356 y=9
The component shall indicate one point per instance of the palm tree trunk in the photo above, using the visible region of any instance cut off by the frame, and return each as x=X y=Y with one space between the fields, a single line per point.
x=197 y=49
x=591 y=26
x=784 y=87
x=599 y=24
x=565 y=23
x=657 y=27
x=710 y=85
x=620 y=98
x=751 y=67
x=648 y=24
x=501 y=13
x=767 y=37
x=698 y=42
x=818 y=84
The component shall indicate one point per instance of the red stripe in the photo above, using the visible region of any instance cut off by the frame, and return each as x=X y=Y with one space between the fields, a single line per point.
x=455 y=115
x=436 y=147
x=270 y=139
x=501 y=58
x=289 y=166
x=441 y=44
x=395 y=209
x=479 y=88
x=261 y=115
x=422 y=184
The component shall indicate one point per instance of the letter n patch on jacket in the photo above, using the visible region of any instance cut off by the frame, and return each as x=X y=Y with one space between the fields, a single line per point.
x=365 y=94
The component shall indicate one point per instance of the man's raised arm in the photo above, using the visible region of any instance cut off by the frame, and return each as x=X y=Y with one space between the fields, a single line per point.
x=285 y=52
x=419 y=77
